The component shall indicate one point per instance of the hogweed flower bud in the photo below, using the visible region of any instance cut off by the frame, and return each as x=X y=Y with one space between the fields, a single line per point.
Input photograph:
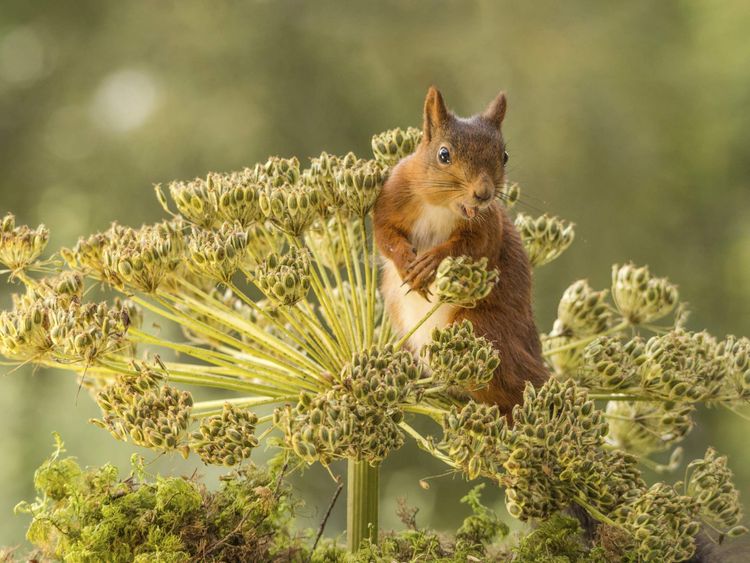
x=226 y=438
x=640 y=297
x=359 y=184
x=463 y=281
x=662 y=522
x=457 y=357
x=643 y=427
x=135 y=408
x=391 y=146
x=474 y=438
x=545 y=238
x=291 y=208
x=20 y=246
x=284 y=279
x=583 y=311
x=710 y=485
x=218 y=254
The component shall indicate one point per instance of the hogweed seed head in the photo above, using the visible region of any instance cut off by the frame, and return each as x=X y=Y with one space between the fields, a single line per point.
x=545 y=238
x=567 y=360
x=710 y=485
x=456 y=356
x=464 y=282
x=640 y=297
x=583 y=311
x=20 y=245
x=219 y=253
x=611 y=365
x=284 y=279
x=643 y=427
x=662 y=522
x=226 y=438
x=136 y=408
x=391 y=146
x=509 y=194
x=291 y=208
x=359 y=184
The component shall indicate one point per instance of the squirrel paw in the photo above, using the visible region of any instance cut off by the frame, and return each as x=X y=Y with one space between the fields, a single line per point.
x=421 y=272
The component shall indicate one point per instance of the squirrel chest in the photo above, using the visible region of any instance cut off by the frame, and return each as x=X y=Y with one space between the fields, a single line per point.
x=405 y=309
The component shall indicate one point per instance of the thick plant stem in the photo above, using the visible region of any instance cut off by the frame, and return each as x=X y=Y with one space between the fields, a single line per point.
x=362 y=497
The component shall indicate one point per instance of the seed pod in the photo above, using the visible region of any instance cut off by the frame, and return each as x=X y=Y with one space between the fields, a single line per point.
x=544 y=238
x=464 y=282
x=391 y=146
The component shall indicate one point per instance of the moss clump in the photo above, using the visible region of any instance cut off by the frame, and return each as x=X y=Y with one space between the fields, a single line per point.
x=84 y=515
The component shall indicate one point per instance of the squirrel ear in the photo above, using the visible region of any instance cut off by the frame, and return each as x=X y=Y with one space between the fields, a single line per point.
x=435 y=112
x=495 y=112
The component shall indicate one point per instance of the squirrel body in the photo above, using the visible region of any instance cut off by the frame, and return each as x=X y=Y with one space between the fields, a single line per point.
x=442 y=201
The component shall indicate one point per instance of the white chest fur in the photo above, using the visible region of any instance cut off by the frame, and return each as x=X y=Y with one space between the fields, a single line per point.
x=434 y=226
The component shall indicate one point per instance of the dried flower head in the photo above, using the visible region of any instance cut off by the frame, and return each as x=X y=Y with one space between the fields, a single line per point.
x=20 y=245
x=662 y=522
x=644 y=427
x=291 y=208
x=565 y=356
x=218 y=253
x=381 y=378
x=226 y=438
x=710 y=485
x=612 y=365
x=640 y=297
x=391 y=146
x=545 y=238
x=582 y=311
x=359 y=183
x=284 y=279
x=464 y=282
x=456 y=356
x=475 y=437
x=135 y=407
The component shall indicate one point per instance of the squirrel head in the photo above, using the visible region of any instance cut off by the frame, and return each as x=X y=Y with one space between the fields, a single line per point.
x=462 y=159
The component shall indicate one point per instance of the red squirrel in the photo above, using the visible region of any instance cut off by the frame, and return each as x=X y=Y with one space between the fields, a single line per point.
x=442 y=201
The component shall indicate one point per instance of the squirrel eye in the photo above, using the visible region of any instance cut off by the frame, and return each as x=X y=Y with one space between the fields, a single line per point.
x=506 y=157
x=444 y=155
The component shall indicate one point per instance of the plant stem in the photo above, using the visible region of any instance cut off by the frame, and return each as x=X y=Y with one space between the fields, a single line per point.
x=414 y=329
x=363 y=487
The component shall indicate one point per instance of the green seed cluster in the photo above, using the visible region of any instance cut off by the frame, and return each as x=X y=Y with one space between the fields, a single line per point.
x=662 y=522
x=226 y=438
x=130 y=258
x=736 y=355
x=381 y=377
x=612 y=365
x=710 y=485
x=219 y=253
x=24 y=331
x=582 y=311
x=644 y=427
x=284 y=279
x=640 y=297
x=463 y=281
x=135 y=407
x=20 y=245
x=456 y=356
x=335 y=425
x=359 y=182
x=474 y=438
x=322 y=175
x=556 y=455
x=391 y=146
x=291 y=208
x=545 y=238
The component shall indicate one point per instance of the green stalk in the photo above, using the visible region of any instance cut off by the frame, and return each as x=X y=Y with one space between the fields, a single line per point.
x=414 y=329
x=363 y=487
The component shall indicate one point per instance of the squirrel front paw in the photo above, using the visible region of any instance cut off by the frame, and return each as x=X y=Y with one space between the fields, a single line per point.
x=421 y=272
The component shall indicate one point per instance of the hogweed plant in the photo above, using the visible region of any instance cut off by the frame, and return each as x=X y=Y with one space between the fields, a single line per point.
x=272 y=275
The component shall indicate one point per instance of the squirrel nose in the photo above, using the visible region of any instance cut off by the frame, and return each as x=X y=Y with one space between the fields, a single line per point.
x=483 y=195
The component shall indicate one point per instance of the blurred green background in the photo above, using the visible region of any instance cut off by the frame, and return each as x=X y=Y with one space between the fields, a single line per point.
x=629 y=119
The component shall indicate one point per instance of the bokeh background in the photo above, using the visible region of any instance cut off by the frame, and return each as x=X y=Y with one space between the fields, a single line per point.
x=630 y=119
